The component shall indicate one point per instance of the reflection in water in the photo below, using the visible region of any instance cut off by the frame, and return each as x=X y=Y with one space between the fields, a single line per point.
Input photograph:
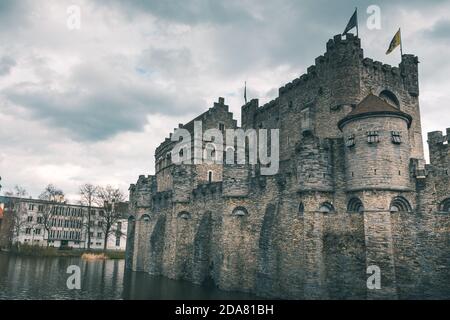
x=45 y=278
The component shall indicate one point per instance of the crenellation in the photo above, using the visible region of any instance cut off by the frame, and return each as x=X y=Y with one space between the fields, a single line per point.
x=352 y=190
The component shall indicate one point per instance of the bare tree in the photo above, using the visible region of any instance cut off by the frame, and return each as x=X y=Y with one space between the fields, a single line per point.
x=108 y=198
x=88 y=195
x=52 y=195
x=16 y=209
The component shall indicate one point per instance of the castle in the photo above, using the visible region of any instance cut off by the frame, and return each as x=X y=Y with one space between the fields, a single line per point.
x=352 y=191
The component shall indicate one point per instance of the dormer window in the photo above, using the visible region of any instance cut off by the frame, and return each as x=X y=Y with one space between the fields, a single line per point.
x=396 y=137
x=372 y=137
x=350 y=141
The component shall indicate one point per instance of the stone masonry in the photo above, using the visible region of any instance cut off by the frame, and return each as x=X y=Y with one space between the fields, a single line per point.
x=352 y=191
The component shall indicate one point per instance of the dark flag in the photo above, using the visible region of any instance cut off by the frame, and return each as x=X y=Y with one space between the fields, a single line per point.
x=353 y=22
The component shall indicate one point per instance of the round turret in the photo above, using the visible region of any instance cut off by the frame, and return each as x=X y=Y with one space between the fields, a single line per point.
x=377 y=148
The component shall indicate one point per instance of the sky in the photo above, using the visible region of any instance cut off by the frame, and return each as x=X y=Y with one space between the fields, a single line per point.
x=90 y=104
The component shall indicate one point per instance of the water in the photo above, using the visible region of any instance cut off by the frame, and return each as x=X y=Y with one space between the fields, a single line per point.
x=45 y=278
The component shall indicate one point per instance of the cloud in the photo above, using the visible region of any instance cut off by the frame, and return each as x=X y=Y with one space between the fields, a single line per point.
x=92 y=104
x=440 y=31
x=6 y=64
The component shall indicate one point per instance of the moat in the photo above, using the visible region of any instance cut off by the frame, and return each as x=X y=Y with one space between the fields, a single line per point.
x=38 y=278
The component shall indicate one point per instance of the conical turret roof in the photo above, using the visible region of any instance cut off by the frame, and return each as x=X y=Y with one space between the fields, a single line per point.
x=373 y=105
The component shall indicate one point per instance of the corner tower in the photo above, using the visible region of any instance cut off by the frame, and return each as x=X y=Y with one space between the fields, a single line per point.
x=377 y=146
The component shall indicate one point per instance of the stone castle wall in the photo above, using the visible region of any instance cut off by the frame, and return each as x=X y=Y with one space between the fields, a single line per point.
x=311 y=230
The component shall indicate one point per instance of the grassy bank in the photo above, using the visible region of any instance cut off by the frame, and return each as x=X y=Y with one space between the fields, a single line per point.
x=38 y=251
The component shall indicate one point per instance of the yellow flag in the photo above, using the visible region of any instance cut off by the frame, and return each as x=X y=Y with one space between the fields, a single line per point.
x=396 y=41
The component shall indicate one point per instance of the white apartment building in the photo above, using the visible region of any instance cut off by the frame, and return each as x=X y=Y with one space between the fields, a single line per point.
x=67 y=224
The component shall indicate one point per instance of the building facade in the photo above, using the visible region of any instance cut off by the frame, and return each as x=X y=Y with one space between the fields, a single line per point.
x=57 y=224
x=353 y=193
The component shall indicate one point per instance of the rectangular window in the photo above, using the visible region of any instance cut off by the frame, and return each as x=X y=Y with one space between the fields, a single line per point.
x=221 y=127
x=350 y=141
x=29 y=219
x=118 y=242
x=372 y=137
x=396 y=137
x=40 y=208
x=37 y=231
x=99 y=234
x=39 y=220
x=28 y=231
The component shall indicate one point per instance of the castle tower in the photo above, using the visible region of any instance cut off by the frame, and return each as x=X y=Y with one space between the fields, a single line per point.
x=377 y=156
x=377 y=149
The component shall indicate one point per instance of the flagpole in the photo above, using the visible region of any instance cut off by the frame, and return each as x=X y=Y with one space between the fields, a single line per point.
x=357 y=29
x=401 y=43
x=245 y=92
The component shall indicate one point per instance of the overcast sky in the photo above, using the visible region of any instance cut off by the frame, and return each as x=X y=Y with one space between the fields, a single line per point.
x=91 y=105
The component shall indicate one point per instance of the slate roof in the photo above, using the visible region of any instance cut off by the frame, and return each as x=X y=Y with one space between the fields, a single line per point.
x=373 y=105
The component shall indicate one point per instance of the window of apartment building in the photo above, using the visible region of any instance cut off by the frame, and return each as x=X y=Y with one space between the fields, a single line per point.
x=372 y=137
x=117 y=241
x=92 y=212
x=41 y=208
x=37 y=231
x=40 y=219
x=31 y=207
x=119 y=225
x=91 y=234
x=101 y=213
x=29 y=219
x=99 y=234
x=28 y=231
x=100 y=224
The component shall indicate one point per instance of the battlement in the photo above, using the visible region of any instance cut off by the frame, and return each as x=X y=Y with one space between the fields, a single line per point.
x=339 y=43
x=220 y=104
x=348 y=47
x=437 y=137
x=439 y=148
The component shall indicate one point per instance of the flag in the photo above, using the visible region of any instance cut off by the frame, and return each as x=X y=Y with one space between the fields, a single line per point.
x=353 y=22
x=395 y=42
x=245 y=92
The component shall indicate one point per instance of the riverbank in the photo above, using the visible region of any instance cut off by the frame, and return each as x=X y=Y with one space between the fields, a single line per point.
x=39 y=251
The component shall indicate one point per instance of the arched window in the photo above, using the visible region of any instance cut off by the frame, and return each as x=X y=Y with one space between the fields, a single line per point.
x=240 y=211
x=400 y=204
x=390 y=98
x=326 y=207
x=131 y=219
x=210 y=176
x=445 y=205
x=301 y=208
x=355 y=205
x=145 y=217
x=184 y=215
x=230 y=155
